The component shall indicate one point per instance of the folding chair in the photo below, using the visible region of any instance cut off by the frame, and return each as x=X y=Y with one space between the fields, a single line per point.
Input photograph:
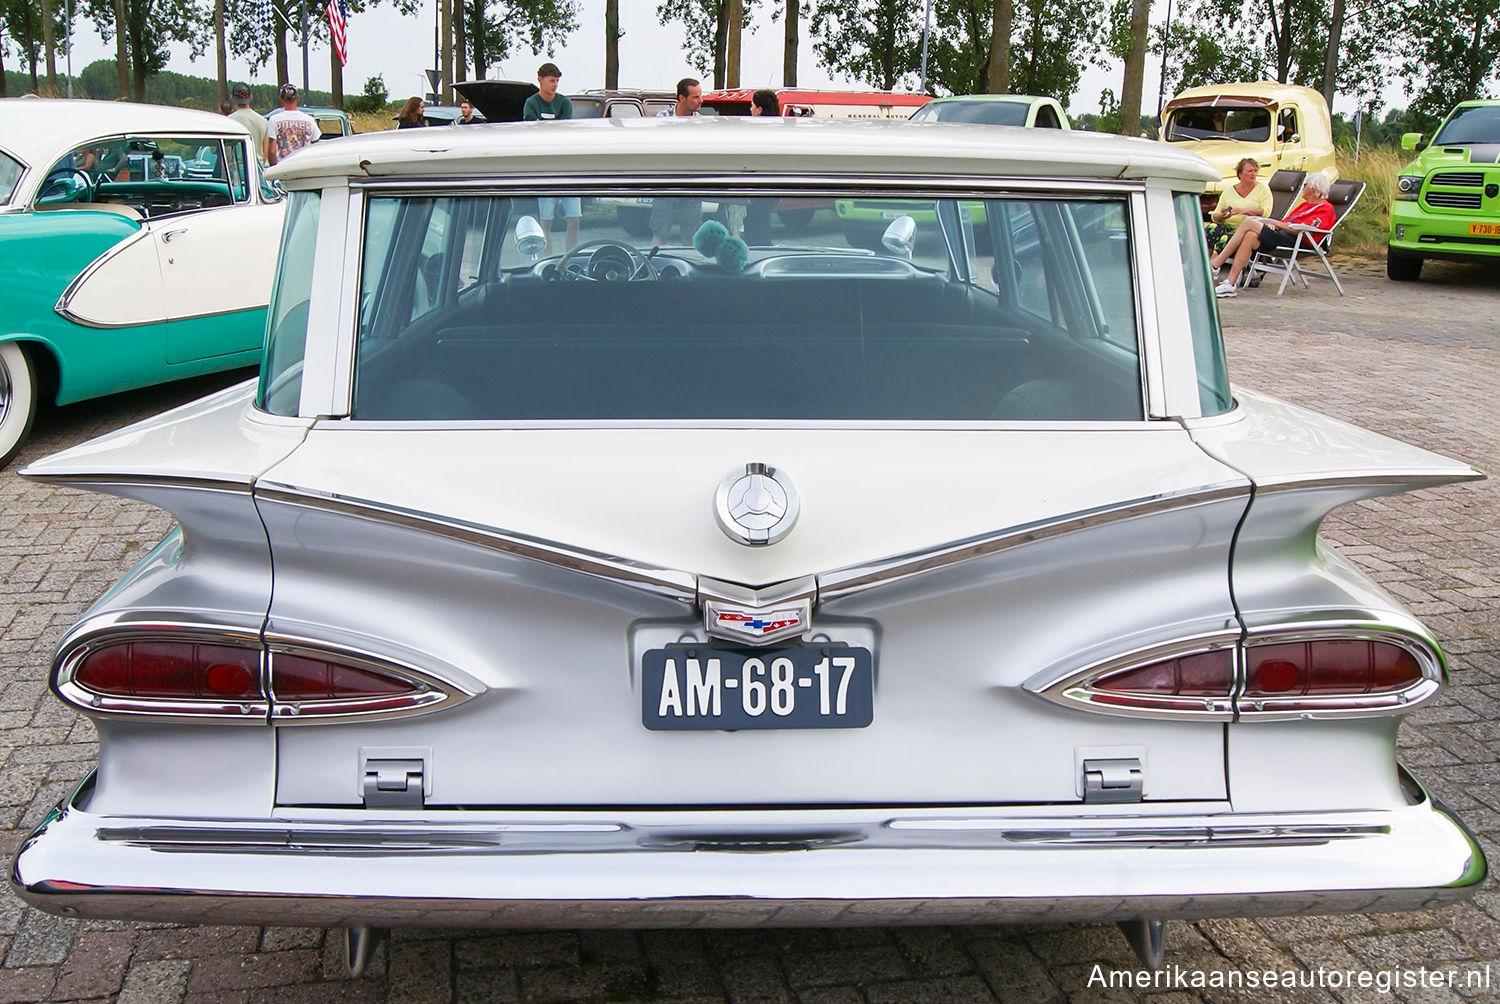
x=1297 y=260
x=1285 y=186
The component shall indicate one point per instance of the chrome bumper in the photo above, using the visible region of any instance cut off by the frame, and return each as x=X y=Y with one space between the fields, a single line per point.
x=774 y=868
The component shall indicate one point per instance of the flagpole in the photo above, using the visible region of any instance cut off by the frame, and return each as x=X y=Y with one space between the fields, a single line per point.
x=305 y=33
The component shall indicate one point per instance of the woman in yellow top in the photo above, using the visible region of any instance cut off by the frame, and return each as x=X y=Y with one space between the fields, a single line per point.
x=1246 y=197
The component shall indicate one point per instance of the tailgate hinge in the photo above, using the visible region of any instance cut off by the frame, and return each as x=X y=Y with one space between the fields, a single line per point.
x=393 y=784
x=1113 y=780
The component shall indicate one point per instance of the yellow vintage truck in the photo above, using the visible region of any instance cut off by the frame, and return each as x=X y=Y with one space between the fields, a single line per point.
x=1280 y=125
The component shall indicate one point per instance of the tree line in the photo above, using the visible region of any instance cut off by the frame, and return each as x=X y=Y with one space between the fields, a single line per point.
x=1439 y=51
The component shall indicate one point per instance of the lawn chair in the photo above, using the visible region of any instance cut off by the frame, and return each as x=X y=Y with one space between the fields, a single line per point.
x=1285 y=186
x=1297 y=260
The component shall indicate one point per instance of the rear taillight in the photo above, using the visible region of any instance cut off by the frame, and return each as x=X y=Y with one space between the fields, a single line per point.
x=1198 y=682
x=184 y=673
x=1284 y=677
x=1271 y=675
x=306 y=686
x=166 y=674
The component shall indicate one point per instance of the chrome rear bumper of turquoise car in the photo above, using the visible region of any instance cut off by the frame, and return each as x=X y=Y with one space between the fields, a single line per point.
x=774 y=868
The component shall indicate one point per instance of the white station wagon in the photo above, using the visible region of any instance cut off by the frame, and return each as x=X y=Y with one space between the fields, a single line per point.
x=533 y=588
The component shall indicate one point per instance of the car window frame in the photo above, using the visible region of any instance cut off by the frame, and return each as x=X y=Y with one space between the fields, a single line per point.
x=1130 y=193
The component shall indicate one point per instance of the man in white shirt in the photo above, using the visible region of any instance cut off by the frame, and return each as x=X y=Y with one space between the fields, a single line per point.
x=684 y=213
x=291 y=129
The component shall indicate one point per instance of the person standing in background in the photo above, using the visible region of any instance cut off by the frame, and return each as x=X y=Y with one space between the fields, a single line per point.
x=684 y=213
x=410 y=115
x=466 y=114
x=763 y=102
x=291 y=129
x=260 y=129
x=548 y=105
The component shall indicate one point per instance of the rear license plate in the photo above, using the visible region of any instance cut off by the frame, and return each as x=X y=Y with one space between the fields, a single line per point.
x=1484 y=229
x=700 y=687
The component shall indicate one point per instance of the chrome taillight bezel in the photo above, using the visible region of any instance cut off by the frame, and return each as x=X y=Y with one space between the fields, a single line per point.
x=431 y=691
x=1077 y=688
x=78 y=648
x=1279 y=709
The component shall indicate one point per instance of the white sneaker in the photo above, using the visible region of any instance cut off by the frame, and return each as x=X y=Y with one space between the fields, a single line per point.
x=1225 y=289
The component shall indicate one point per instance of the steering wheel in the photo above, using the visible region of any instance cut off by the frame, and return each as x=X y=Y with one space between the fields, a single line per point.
x=608 y=261
x=79 y=183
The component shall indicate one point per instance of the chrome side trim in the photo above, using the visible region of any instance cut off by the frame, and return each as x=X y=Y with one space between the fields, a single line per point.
x=857 y=578
x=105 y=479
x=670 y=583
x=1412 y=481
x=791 y=185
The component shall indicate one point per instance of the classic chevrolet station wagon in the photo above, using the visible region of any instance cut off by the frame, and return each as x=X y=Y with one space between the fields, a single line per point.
x=952 y=578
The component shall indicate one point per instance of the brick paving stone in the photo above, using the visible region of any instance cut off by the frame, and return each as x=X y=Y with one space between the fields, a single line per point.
x=158 y=982
x=272 y=969
x=96 y=965
x=830 y=995
x=196 y=942
x=26 y=986
x=958 y=989
x=41 y=940
x=748 y=980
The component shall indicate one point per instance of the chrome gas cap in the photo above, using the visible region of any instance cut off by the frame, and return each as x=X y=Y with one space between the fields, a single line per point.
x=756 y=505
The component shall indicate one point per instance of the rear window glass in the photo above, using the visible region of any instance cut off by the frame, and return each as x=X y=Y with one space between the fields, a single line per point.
x=10 y=176
x=746 y=307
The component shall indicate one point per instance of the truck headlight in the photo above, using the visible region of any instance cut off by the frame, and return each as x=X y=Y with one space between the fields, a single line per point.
x=1408 y=187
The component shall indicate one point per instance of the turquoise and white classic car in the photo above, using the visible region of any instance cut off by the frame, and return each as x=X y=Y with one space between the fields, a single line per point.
x=123 y=269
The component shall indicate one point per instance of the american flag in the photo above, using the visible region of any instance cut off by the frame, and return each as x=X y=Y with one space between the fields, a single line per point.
x=338 y=27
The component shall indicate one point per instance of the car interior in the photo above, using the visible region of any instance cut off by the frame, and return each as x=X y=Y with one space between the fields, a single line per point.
x=464 y=316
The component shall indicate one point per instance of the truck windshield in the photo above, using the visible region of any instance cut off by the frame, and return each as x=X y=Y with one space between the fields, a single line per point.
x=1480 y=124
x=1247 y=125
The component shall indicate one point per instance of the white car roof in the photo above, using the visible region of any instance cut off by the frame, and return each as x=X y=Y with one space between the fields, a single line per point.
x=40 y=130
x=739 y=146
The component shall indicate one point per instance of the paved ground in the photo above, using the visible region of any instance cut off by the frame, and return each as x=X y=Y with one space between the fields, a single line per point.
x=1421 y=362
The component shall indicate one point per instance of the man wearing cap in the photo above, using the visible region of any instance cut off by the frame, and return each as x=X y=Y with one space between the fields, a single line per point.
x=546 y=105
x=253 y=120
x=291 y=129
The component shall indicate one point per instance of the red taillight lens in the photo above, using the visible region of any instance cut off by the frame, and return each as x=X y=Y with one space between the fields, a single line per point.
x=298 y=678
x=1329 y=668
x=171 y=671
x=1187 y=683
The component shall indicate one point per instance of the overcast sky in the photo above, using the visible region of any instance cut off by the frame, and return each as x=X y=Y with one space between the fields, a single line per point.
x=398 y=48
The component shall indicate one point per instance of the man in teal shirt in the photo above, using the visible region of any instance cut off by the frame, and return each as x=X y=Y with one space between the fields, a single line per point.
x=547 y=104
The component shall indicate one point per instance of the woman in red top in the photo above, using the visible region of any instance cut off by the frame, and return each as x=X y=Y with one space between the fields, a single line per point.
x=1313 y=210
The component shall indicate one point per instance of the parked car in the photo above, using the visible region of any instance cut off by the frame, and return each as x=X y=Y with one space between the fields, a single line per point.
x=444 y=115
x=130 y=278
x=800 y=102
x=864 y=222
x=1447 y=200
x=533 y=589
x=1281 y=125
x=995 y=109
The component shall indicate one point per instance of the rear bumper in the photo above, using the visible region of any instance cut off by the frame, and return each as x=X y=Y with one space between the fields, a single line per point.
x=743 y=869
